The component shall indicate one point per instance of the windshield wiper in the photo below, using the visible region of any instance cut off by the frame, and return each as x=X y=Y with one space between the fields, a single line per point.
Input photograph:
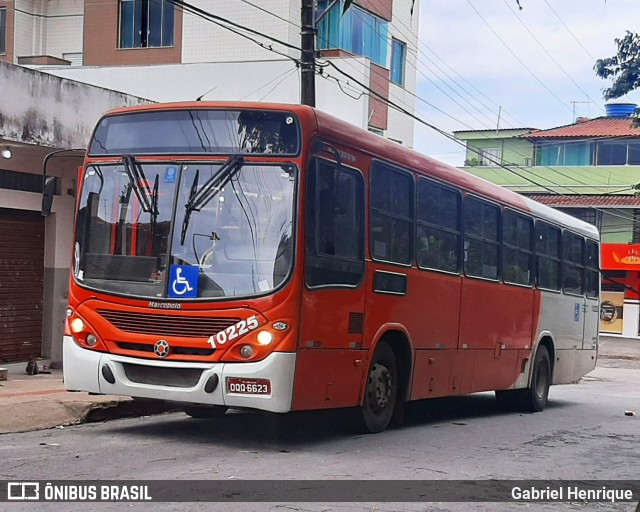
x=199 y=198
x=187 y=213
x=139 y=183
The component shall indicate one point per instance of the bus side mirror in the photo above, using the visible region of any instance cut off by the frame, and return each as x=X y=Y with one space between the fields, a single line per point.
x=48 y=191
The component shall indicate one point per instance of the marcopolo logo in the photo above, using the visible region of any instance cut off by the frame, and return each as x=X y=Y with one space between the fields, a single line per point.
x=21 y=491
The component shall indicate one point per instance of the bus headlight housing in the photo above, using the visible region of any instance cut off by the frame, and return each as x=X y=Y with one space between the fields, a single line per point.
x=264 y=338
x=246 y=351
x=77 y=325
x=82 y=333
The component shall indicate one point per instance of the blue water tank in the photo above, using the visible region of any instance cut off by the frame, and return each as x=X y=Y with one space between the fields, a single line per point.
x=620 y=109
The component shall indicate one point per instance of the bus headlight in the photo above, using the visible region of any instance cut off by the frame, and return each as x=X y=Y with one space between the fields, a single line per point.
x=92 y=340
x=264 y=338
x=77 y=325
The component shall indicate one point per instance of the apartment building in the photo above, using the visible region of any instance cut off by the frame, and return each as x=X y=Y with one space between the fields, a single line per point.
x=228 y=50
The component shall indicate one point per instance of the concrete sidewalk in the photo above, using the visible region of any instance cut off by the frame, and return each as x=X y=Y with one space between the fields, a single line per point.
x=34 y=402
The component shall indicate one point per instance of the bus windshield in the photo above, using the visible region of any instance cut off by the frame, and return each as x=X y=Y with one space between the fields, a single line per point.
x=185 y=230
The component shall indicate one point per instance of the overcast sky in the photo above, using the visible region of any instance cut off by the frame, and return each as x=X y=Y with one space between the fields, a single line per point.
x=483 y=59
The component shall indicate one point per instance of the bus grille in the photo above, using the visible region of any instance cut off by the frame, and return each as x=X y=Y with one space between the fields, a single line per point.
x=159 y=376
x=166 y=325
x=182 y=351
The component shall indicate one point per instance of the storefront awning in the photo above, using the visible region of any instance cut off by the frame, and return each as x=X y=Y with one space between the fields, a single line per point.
x=620 y=256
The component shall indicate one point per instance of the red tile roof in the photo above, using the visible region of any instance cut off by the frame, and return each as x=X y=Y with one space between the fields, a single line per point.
x=598 y=127
x=559 y=200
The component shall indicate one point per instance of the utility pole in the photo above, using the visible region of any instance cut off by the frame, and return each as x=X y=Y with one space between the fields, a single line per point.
x=307 y=59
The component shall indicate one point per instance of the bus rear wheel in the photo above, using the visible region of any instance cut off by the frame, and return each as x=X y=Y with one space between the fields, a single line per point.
x=381 y=391
x=211 y=412
x=535 y=397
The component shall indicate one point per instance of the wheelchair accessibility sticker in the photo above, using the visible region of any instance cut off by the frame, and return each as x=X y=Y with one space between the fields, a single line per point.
x=183 y=281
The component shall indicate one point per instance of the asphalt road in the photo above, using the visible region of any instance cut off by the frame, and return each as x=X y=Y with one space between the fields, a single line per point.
x=584 y=434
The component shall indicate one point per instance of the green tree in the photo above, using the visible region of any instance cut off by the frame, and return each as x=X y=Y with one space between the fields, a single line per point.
x=623 y=68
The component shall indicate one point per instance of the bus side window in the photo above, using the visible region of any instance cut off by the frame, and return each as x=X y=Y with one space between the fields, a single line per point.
x=517 y=248
x=573 y=264
x=438 y=217
x=481 y=244
x=592 y=272
x=392 y=214
x=547 y=248
x=335 y=225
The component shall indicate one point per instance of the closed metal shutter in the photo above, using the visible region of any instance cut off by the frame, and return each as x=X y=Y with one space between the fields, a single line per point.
x=21 y=284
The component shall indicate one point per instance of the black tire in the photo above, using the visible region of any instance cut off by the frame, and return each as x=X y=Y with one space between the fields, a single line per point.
x=381 y=391
x=216 y=411
x=535 y=397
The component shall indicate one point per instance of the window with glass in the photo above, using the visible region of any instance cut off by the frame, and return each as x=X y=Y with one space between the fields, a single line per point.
x=3 y=30
x=573 y=264
x=335 y=225
x=517 y=250
x=146 y=23
x=197 y=131
x=564 y=153
x=392 y=230
x=356 y=31
x=225 y=227
x=481 y=244
x=611 y=153
x=592 y=270
x=491 y=156
x=439 y=227
x=548 y=243
x=618 y=152
x=398 y=59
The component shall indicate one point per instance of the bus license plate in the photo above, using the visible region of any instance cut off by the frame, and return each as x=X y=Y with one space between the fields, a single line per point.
x=248 y=386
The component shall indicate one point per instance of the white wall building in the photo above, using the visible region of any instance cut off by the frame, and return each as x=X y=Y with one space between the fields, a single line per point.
x=147 y=45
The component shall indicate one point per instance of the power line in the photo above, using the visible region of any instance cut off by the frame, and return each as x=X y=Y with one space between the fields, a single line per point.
x=569 y=30
x=547 y=52
x=515 y=56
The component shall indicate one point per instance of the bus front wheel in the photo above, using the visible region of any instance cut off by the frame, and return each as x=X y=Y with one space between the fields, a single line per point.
x=381 y=391
x=216 y=411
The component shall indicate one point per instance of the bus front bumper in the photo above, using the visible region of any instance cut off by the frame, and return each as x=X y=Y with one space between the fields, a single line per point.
x=189 y=383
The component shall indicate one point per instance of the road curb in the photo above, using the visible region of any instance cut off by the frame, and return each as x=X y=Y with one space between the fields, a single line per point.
x=127 y=408
x=41 y=414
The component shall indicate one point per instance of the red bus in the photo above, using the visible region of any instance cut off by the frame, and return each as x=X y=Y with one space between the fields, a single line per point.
x=272 y=257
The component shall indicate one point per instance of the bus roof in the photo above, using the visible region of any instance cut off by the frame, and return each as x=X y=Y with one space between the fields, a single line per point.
x=378 y=147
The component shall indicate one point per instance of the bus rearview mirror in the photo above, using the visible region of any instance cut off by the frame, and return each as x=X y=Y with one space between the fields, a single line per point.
x=48 y=191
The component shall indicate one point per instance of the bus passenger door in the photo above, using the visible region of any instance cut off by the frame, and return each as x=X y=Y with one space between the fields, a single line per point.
x=330 y=356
